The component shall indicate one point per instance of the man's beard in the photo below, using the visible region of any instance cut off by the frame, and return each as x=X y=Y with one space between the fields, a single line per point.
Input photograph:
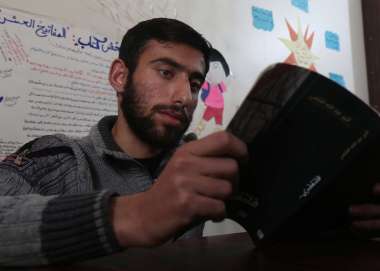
x=134 y=103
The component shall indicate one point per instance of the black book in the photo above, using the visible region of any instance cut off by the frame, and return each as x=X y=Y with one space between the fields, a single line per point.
x=314 y=150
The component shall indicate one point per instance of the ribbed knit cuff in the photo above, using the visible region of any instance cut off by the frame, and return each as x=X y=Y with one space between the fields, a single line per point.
x=78 y=227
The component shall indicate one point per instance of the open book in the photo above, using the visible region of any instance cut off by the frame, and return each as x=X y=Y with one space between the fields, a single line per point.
x=314 y=150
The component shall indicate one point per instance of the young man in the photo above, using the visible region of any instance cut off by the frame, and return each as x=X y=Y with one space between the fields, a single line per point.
x=127 y=184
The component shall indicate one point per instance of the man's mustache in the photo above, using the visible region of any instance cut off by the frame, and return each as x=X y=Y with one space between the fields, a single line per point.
x=182 y=111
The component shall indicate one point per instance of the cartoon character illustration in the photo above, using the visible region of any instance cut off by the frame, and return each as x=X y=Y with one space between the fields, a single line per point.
x=300 y=46
x=212 y=92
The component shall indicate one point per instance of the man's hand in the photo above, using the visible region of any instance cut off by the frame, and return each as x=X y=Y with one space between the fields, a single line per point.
x=366 y=217
x=194 y=185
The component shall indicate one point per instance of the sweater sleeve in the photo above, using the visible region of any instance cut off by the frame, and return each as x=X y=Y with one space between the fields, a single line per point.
x=40 y=229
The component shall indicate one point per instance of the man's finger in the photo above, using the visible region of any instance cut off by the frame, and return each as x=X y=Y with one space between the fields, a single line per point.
x=365 y=210
x=219 y=144
x=214 y=188
x=225 y=168
x=367 y=225
x=210 y=208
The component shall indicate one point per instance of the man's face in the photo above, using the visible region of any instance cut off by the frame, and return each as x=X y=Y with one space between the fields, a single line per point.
x=160 y=96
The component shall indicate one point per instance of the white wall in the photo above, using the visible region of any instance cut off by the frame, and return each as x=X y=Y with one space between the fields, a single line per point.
x=358 y=50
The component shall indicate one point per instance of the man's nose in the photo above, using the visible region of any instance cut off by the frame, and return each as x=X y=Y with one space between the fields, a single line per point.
x=182 y=91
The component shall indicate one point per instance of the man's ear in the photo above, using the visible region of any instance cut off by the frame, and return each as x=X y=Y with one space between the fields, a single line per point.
x=118 y=75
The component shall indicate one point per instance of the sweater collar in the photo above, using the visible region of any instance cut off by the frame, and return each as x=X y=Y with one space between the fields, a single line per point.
x=104 y=143
x=102 y=138
x=105 y=130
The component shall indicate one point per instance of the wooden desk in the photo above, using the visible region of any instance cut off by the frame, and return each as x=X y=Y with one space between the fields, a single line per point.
x=235 y=252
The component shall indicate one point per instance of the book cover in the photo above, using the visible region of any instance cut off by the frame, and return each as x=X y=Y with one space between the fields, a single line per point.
x=314 y=150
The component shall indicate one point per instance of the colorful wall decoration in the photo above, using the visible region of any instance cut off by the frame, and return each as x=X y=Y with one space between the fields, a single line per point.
x=308 y=33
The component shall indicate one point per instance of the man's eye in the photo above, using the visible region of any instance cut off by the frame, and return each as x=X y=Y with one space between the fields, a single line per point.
x=166 y=74
x=195 y=87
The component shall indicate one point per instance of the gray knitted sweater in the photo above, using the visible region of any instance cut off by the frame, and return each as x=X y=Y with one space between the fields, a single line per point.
x=55 y=194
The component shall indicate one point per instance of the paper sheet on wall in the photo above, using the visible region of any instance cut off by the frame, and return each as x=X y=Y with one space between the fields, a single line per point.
x=53 y=79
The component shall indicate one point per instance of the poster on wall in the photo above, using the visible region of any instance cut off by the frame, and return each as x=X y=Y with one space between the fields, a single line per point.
x=53 y=79
x=310 y=34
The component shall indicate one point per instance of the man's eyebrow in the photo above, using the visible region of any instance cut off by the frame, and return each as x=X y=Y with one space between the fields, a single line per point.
x=173 y=63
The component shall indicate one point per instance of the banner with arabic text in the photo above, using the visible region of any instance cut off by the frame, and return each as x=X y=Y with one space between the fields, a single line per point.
x=53 y=79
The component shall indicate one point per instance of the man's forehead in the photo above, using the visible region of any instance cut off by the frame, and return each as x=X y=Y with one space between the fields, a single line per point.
x=179 y=52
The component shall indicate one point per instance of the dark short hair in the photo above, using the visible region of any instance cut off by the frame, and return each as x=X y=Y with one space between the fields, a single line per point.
x=160 y=29
x=216 y=56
